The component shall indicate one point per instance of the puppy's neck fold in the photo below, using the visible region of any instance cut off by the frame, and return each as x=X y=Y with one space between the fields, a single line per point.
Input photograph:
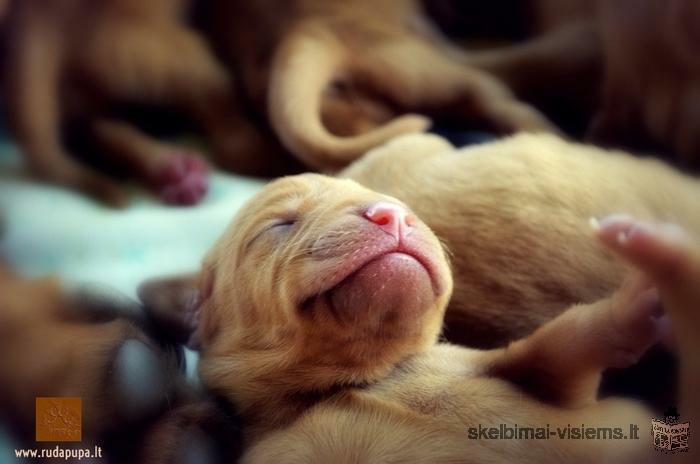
x=274 y=394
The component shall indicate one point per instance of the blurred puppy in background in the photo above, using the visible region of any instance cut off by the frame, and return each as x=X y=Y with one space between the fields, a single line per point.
x=74 y=63
x=98 y=346
x=554 y=60
x=336 y=77
x=634 y=62
x=651 y=89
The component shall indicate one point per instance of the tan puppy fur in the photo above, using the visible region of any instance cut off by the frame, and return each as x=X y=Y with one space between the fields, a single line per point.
x=515 y=214
x=289 y=305
x=652 y=75
x=387 y=49
x=319 y=322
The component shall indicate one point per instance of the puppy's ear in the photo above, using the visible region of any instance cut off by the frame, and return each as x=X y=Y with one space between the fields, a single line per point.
x=174 y=304
x=92 y=302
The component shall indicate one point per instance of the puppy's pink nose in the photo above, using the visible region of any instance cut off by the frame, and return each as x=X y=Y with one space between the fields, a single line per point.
x=391 y=218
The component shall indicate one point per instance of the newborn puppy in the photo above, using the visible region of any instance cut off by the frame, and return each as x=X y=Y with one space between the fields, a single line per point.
x=515 y=213
x=136 y=404
x=318 y=312
x=77 y=63
x=308 y=63
x=652 y=74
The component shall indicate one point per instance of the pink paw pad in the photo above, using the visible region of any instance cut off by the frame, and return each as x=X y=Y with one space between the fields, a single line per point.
x=183 y=180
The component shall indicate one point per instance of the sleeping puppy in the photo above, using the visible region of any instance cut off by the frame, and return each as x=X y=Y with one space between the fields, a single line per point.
x=651 y=91
x=514 y=216
x=75 y=65
x=317 y=314
x=136 y=404
x=307 y=63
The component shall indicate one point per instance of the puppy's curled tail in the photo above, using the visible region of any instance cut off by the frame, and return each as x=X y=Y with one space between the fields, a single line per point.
x=302 y=68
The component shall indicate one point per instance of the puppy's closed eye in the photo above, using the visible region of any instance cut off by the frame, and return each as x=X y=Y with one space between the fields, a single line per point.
x=282 y=225
x=278 y=228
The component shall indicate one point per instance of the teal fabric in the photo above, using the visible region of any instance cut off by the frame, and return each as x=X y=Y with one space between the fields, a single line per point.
x=49 y=230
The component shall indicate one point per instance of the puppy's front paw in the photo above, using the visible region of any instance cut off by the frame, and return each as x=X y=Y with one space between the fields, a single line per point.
x=632 y=321
x=183 y=179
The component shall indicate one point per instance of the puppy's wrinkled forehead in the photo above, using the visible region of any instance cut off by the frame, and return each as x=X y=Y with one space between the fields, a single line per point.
x=285 y=202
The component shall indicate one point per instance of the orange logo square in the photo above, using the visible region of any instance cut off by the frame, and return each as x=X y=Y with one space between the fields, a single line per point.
x=59 y=419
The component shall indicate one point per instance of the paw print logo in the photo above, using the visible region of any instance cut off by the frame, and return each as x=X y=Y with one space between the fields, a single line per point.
x=58 y=419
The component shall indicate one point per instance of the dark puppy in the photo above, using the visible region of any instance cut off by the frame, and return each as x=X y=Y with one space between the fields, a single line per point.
x=136 y=404
x=652 y=77
x=634 y=63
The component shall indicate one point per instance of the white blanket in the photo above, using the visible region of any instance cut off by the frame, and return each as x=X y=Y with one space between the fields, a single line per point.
x=49 y=230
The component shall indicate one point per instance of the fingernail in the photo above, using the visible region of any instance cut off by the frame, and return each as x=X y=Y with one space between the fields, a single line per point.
x=594 y=223
x=614 y=219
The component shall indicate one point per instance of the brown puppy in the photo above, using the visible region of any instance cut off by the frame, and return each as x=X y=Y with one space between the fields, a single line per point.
x=514 y=215
x=652 y=74
x=308 y=62
x=318 y=315
x=135 y=402
x=74 y=63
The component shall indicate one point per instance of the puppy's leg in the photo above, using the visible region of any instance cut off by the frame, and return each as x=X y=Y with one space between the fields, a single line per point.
x=565 y=59
x=175 y=175
x=36 y=59
x=562 y=362
x=431 y=81
x=167 y=64
x=671 y=260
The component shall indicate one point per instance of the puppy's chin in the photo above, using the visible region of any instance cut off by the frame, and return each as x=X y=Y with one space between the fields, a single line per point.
x=393 y=289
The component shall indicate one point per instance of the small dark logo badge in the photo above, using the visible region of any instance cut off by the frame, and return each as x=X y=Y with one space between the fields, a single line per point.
x=59 y=419
x=670 y=434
